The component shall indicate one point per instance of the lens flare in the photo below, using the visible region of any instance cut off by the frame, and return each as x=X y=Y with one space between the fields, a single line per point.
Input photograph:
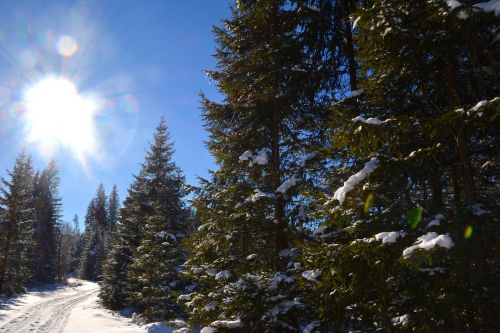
x=67 y=46
x=468 y=232
x=58 y=116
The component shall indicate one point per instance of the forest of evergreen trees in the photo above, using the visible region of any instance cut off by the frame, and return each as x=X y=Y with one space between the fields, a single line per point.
x=356 y=190
x=35 y=246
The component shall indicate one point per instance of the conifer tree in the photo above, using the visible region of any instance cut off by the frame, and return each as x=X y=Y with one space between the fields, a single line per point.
x=47 y=226
x=277 y=74
x=116 y=283
x=146 y=248
x=78 y=246
x=95 y=238
x=87 y=267
x=157 y=259
x=396 y=252
x=113 y=209
x=16 y=226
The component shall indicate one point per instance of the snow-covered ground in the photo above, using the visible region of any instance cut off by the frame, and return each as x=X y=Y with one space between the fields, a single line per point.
x=70 y=309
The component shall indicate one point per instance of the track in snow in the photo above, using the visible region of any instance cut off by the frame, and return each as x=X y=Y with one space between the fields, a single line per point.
x=47 y=316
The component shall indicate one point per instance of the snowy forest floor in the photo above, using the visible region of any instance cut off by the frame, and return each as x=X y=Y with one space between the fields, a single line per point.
x=72 y=308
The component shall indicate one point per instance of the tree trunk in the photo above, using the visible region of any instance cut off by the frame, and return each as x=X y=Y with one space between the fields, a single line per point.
x=461 y=143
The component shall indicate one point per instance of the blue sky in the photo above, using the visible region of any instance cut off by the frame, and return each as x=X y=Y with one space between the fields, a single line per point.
x=138 y=59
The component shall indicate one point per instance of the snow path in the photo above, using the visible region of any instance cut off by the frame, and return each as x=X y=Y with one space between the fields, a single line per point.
x=70 y=309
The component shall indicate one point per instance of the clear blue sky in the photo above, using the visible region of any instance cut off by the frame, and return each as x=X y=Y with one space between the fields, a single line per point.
x=139 y=59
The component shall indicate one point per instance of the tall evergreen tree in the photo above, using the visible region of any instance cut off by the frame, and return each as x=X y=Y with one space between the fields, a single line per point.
x=146 y=249
x=397 y=251
x=47 y=226
x=157 y=259
x=116 y=282
x=277 y=68
x=95 y=238
x=16 y=226
x=78 y=246
x=113 y=209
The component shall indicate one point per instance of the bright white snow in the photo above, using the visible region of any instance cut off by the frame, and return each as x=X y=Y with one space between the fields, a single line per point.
x=287 y=184
x=401 y=320
x=349 y=185
x=72 y=309
x=389 y=237
x=311 y=275
x=261 y=157
x=369 y=121
x=436 y=221
x=429 y=241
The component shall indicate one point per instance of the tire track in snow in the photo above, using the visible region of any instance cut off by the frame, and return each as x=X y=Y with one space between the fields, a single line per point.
x=48 y=316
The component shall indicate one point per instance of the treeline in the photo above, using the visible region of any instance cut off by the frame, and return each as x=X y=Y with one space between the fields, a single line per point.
x=35 y=246
x=100 y=221
x=357 y=185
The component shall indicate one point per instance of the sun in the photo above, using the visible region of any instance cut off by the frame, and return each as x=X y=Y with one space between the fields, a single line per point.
x=58 y=116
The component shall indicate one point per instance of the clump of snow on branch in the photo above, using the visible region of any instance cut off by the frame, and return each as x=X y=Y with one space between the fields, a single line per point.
x=355 y=179
x=224 y=275
x=436 y=221
x=260 y=157
x=389 y=237
x=287 y=184
x=429 y=241
x=370 y=121
x=237 y=323
x=311 y=275
x=354 y=93
x=453 y=4
x=401 y=320
x=479 y=105
x=258 y=194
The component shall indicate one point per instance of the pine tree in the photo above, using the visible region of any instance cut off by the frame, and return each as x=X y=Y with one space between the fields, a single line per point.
x=113 y=209
x=396 y=252
x=157 y=259
x=277 y=72
x=47 y=226
x=16 y=236
x=116 y=283
x=146 y=248
x=78 y=246
x=87 y=268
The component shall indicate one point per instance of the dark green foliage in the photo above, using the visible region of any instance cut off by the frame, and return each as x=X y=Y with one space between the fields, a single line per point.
x=278 y=66
x=96 y=236
x=147 y=250
x=16 y=227
x=424 y=69
x=47 y=226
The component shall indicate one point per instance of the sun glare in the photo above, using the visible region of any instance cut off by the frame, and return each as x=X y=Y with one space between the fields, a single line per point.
x=57 y=116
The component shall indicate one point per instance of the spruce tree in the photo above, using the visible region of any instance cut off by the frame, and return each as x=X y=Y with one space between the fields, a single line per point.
x=95 y=237
x=277 y=72
x=116 y=282
x=47 y=226
x=113 y=209
x=157 y=259
x=17 y=224
x=146 y=249
x=397 y=251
